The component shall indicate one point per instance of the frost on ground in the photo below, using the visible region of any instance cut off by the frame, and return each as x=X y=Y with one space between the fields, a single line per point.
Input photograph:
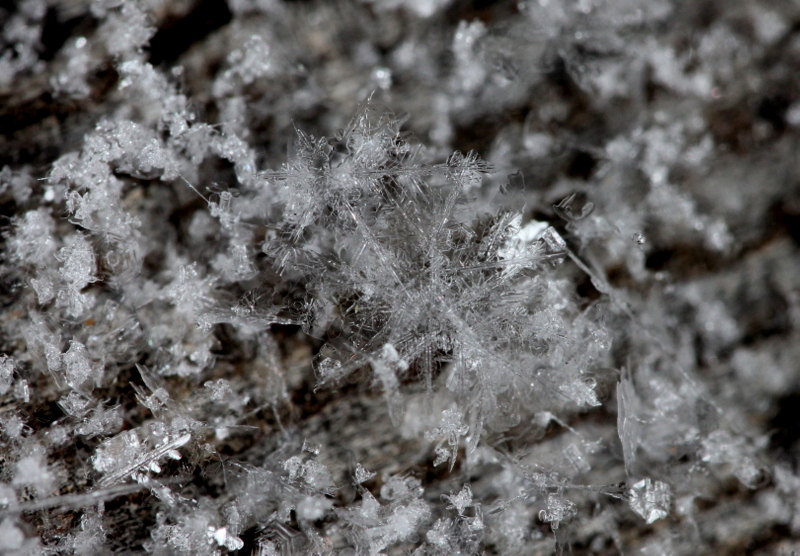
x=399 y=277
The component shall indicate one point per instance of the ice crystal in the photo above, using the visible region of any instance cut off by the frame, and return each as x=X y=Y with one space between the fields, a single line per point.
x=123 y=456
x=11 y=537
x=249 y=63
x=77 y=366
x=450 y=430
x=77 y=271
x=311 y=448
x=317 y=235
x=650 y=499
x=33 y=470
x=558 y=510
x=362 y=475
x=460 y=501
x=7 y=365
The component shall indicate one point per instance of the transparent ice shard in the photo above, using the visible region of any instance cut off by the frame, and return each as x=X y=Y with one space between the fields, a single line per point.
x=312 y=508
x=460 y=501
x=452 y=429
x=80 y=371
x=559 y=510
x=577 y=458
x=7 y=366
x=650 y=499
x=362 y=475
x=107 y=459
x=386 y=367
x=224 y=539
x=311 y=448
x=78 y=267
x=581 y=392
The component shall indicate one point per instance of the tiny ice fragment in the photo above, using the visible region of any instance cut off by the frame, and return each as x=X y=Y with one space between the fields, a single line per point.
x=460 y=501
x=650 y=499
x=6 y=373
x=438 y=535
x=294 y=465
x=577 y=458
x=11 y=537
x=581 y=392
x=362 y=475
x=33 y=470
x=8 y=497
x=451 y=428
x=553 y=241
x=558 y=509
x=21 y=391
x=219 y=389
x=311 y=448
x=329 y=369
x=223 y=538
x=312 y=508
x=77 y=366
x=219 y=535
x=442 y=455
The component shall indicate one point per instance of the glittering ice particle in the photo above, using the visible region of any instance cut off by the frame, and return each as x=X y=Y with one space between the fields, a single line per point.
x=650 y=499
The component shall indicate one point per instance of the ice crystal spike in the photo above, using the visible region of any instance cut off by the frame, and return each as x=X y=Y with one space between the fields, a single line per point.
x=134 y=458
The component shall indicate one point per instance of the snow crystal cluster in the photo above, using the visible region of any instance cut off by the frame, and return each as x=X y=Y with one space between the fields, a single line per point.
x=424 y=277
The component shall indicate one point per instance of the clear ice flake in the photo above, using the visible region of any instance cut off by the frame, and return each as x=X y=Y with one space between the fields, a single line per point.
x=387 y=366
x=124 y=456
x=650 y=499
x=77 y=366
x=460 y=501
x=577 y=458
x=450 y=430
x=311 y=447
x=559 y=510
x=581 y=392
x=77 y=271
x=33 y=470
x=7 y=366
x=224 y=539
x=363 y=475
